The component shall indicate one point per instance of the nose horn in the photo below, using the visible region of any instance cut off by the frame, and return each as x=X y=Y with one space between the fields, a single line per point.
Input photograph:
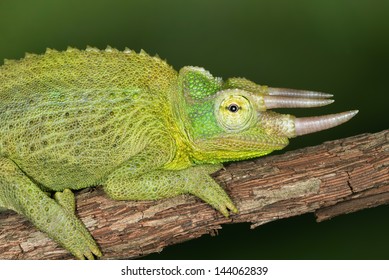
x=313 y=124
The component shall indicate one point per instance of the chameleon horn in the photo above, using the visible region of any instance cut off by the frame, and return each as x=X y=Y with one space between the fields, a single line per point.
x=294 y=102
x=313 y=124
x=298 y=93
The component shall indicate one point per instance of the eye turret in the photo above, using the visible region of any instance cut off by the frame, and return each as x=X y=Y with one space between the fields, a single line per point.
x=233 y=110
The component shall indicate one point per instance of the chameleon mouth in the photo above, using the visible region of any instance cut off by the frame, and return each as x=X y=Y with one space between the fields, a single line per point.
x=255 y=142
x=244 y=143
x=236 y=147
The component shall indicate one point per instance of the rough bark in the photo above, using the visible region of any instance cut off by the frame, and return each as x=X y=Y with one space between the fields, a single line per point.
x=334 y=178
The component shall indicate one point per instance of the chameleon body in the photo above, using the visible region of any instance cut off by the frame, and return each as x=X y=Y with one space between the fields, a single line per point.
x=127 y=121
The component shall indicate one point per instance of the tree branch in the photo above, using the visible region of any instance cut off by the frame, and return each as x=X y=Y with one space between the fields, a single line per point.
x=334 y=178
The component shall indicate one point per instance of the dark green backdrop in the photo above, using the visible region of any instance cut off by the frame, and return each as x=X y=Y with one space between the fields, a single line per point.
x=336 y=46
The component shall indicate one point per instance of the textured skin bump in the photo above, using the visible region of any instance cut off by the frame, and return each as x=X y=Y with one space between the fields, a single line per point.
x=126 y=120
x=198 y=83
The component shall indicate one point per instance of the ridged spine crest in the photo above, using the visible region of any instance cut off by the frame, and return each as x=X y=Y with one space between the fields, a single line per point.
x=88 y=48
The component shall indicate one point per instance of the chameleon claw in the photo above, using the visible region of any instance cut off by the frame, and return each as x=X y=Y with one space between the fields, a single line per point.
x=87 y=253
x=227 y=208
x=79 y=256
x=89 y=256
x=233 y=209
x=224 y=210
x=96 y=251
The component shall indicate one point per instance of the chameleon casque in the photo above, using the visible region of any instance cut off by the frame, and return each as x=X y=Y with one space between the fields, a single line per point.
x=129 y=122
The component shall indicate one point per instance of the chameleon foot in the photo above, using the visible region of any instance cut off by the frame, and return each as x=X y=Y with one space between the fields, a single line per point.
x=56 y=218
x=208 y=190
x=168 y=183
x=85 y=247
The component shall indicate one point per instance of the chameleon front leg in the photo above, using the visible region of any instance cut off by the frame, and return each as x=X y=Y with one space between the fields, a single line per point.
x=161 y=183
x=54 y=217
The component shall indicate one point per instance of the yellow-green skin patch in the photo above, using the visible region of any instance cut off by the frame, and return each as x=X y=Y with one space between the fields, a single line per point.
x=67 y=119
x=126 y=120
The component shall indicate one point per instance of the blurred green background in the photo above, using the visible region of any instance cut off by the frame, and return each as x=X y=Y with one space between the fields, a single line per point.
x=335 y=46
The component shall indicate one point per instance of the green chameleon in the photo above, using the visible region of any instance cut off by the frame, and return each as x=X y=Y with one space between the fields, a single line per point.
x=129 y=122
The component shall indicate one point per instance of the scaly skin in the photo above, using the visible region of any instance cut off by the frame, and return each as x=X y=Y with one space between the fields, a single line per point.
x=125 y=120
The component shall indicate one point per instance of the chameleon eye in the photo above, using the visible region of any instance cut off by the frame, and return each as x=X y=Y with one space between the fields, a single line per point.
x=233 y=108
x=234 y=112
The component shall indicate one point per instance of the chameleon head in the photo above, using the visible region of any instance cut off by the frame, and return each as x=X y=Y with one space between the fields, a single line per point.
x=230 y=120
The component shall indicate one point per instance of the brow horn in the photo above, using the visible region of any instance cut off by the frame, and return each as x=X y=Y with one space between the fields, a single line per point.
x=298 y=93
x=291 y=98
x=294 y=102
